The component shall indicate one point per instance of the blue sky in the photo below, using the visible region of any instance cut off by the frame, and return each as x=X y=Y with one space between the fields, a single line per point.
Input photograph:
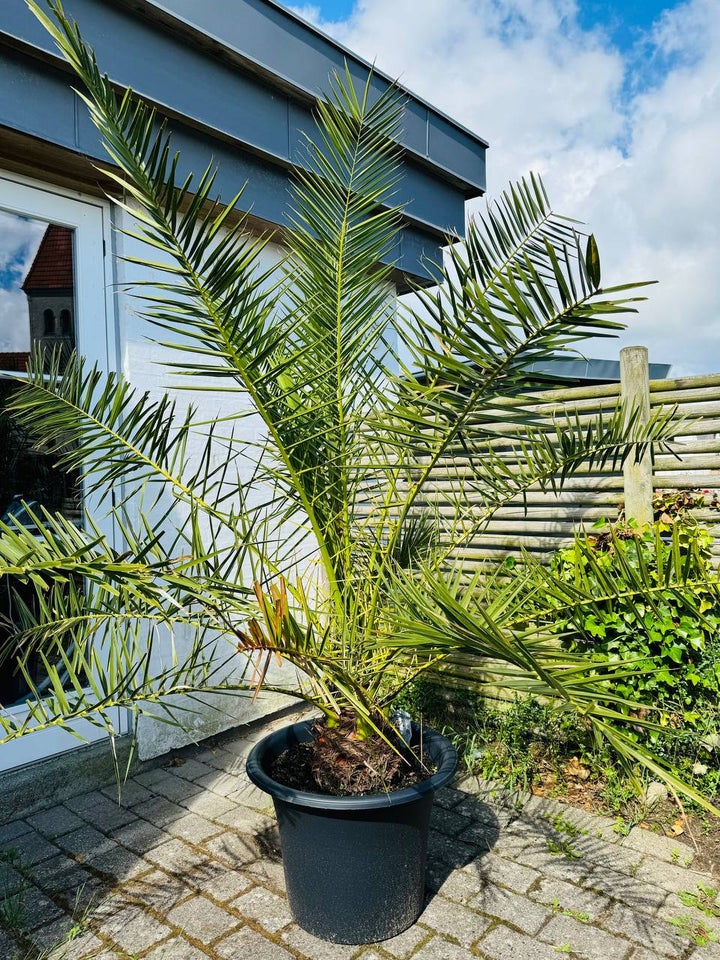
x=615 y=104
x=625 y=22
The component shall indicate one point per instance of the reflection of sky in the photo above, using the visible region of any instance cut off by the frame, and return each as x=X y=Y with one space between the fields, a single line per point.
x=19 y=239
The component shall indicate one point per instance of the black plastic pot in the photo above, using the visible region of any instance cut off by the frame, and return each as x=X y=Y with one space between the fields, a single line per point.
x=354 y=866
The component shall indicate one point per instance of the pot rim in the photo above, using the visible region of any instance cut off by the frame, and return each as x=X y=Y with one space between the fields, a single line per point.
x=447 y=764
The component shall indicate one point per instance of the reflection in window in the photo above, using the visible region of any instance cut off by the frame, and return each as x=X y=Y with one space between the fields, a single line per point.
x=37 y=289
x=37 y=301
x=29 y=480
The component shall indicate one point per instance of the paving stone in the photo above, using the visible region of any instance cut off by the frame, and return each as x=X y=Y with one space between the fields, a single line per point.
x=202 y=920
x=448 y=821
x=6 y=945
x=608 y=855
x=248 y=943
x=218 y=782
x=450 y=851
x=221 y=759
x=50 y=935
x=668 y=876
x=520 y=912
x=245 y=820
x=191 y=769
x=453 y=920
x=176 y=856
x=585 y=941
x=148 y=778
x=440 y=949
x=39 y=909
x=56 y=821
x=140 y=836
x=9 y=832
x=711 y=951
x=458 y=885
x=84 y=801
x=534 y=853
x=502 y=943
x=309 y=946
x=564 y=896
x=85 y=945
x=221 y=882
x=266 y=908
x=449 y=797
x=496 y=870
x=57 y=872
x=233 y=850
x=85 y=843
x=11 y=880
x=646 y=931
x=120 y=864
x=482 y=834
x=108 y=815
x=208 y=805
x=640 y=953
x=193 y=828
x=663 y=848
x=131 y=792
x=160 y=811
x=248 y=795
x=158 y=890
x=133 y=930
x=641 y=896
x=176 y=949
x=175 y=788
x=34 y=848
x=404 y=943
x=269 y=873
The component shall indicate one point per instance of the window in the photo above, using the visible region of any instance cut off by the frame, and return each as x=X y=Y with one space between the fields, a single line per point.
x=52 y=277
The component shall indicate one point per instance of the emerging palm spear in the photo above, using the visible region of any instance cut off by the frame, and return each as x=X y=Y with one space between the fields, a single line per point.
x=330 y=556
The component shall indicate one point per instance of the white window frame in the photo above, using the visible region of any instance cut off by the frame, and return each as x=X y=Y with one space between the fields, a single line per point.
x=96 y=339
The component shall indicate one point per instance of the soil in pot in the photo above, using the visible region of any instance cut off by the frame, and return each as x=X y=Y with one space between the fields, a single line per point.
x=337 y=763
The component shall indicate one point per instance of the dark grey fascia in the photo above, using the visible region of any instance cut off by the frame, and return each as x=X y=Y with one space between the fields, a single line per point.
x=227 y=105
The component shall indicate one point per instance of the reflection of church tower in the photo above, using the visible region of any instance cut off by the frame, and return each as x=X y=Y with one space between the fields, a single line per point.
x=49 y=287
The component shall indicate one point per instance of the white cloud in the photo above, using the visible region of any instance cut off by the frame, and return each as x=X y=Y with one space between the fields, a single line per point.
x=640 y=166
x=19 y=240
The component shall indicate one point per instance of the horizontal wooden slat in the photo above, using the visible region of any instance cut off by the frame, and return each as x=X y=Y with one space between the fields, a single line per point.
x=545 y=520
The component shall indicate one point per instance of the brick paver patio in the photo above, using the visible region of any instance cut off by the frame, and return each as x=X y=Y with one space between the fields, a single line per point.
x=188 y=868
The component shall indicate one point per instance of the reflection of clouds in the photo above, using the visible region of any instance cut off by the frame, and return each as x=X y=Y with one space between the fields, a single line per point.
x=14 y=325
x=19 y=241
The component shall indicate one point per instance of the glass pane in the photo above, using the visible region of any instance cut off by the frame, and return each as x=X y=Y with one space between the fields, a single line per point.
x=37 y=288
x=37 y=306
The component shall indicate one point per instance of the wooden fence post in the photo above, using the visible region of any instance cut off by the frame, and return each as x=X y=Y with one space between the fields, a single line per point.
x=637 y=475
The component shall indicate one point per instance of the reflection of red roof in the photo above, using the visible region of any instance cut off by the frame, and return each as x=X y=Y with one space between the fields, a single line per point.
x=14 y=361
x=52 y=268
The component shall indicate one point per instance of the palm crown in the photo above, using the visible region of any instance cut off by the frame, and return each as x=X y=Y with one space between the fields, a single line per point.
x=330 y=555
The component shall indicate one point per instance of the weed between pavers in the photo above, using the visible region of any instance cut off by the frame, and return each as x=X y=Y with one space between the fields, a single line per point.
x=705 y=900
x=13 y=913
x=565 y=912
x=563 y=848
x=696 y=931
x=561 y=824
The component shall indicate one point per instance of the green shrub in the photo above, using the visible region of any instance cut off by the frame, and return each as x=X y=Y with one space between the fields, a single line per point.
x=670 y=633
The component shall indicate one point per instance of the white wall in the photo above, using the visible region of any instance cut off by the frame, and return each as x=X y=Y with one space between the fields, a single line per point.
x=142 y=363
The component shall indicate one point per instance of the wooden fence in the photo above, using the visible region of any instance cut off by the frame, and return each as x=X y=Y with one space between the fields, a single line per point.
x=547 y=521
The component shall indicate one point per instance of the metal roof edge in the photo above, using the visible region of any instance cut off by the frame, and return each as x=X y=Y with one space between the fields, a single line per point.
x=312 y=28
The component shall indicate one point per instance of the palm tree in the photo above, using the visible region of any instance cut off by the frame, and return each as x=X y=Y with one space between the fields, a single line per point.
x=329 y=556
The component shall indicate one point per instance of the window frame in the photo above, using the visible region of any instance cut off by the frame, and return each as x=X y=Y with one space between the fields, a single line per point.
x=96 y=338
